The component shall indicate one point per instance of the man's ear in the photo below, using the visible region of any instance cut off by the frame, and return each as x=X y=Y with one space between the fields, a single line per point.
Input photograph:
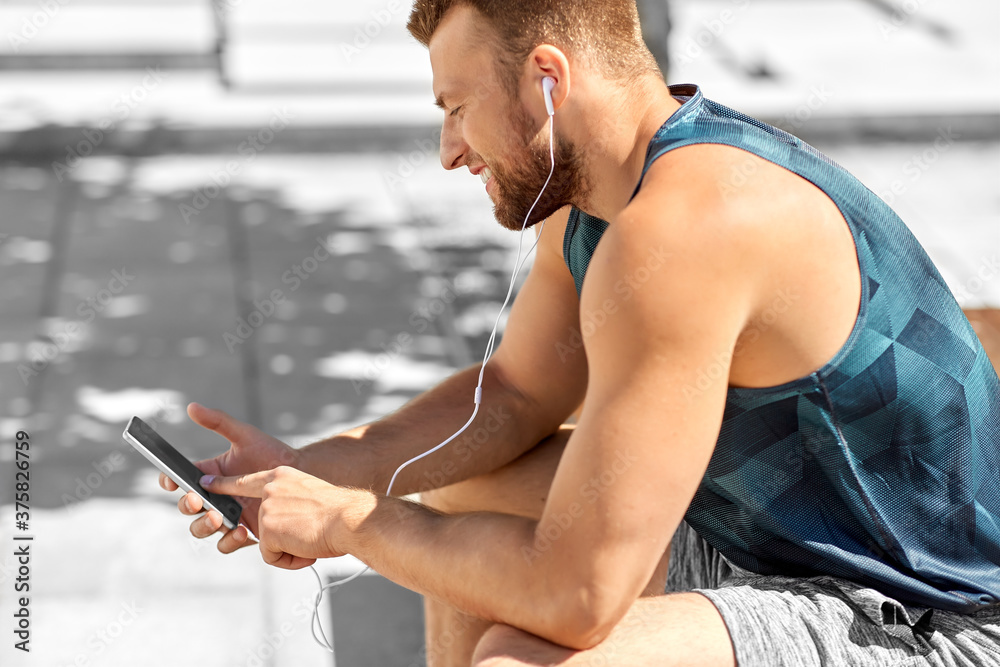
x=545 y=61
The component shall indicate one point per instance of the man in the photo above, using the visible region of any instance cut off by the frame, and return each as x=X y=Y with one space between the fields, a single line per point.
x=760 y=347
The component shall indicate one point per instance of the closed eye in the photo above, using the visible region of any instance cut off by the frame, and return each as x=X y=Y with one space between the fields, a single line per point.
x=454 y=112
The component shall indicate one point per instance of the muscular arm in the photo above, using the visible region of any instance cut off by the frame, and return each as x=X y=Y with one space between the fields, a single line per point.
x=527 y=394
x=630 y=469
x=367 y=456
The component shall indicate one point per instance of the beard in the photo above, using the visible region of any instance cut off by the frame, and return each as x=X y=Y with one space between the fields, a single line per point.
x=518 y=182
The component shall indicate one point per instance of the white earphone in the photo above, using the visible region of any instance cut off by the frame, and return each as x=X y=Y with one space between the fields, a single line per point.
x=548 y=83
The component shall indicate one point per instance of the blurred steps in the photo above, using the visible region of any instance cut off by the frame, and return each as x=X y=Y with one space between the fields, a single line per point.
x=377 y=623
x=109 y=61
x=92 y=35
x=874 y=72
x=322 y=48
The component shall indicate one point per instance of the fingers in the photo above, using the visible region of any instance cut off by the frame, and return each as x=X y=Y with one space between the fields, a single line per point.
x=232 y=540
x=190 y=503
x=235 y=540
x=216 y=420
x=206 y=525
x=248 y=486
x=208 y=466
x=166 y=483
x=284 y=560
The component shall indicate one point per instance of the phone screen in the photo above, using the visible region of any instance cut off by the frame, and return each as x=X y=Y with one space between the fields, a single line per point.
x=176 y=466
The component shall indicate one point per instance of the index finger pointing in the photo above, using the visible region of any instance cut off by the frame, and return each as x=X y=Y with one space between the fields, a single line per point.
x=228 y=427
x=249 y=486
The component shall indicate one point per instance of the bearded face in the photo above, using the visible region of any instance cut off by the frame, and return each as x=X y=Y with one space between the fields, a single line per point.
x=519 y=176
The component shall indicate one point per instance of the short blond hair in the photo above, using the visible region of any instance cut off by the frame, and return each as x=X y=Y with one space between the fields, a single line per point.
x=605 y=33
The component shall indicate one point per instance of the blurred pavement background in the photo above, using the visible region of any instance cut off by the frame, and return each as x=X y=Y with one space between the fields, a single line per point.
x=164 y=171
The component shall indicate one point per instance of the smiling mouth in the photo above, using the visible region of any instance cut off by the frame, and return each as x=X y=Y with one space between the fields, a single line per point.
x=487 y=177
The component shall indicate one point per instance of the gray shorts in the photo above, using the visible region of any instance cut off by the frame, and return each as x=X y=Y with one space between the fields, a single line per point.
x=778 y=621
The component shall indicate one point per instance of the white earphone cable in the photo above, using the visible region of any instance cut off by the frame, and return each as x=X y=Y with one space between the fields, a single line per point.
x=317 y=626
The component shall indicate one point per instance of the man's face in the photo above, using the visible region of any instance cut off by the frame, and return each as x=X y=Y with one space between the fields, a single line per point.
x=492 y=132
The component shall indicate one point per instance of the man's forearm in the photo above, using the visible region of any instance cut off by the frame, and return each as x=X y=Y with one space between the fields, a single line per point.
x=366 y=457
x=484 y=564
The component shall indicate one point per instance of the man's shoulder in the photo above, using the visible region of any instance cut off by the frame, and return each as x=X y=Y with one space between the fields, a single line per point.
x=683 y=205
x=705 y=177
x=729 y=200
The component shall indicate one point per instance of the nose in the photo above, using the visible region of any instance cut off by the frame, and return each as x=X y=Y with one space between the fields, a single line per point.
x=454 y=150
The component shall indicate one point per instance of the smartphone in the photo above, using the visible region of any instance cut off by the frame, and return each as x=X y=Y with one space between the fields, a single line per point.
x=177 y=467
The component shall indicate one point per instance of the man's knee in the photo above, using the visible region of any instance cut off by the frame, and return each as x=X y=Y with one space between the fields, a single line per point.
x=452 y=499
x=492 y=492
x=521 y=487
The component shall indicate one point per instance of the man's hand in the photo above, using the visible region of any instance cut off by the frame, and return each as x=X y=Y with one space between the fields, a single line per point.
x=252 y=451
x=301 y=518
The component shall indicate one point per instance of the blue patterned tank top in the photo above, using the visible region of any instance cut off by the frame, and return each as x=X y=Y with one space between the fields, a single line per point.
x=882 y=467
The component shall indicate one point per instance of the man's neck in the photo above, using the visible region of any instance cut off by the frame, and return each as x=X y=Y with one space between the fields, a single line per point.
x=615 y=134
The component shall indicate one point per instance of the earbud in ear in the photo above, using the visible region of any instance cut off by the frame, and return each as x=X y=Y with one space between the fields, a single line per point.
x=548 y=83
